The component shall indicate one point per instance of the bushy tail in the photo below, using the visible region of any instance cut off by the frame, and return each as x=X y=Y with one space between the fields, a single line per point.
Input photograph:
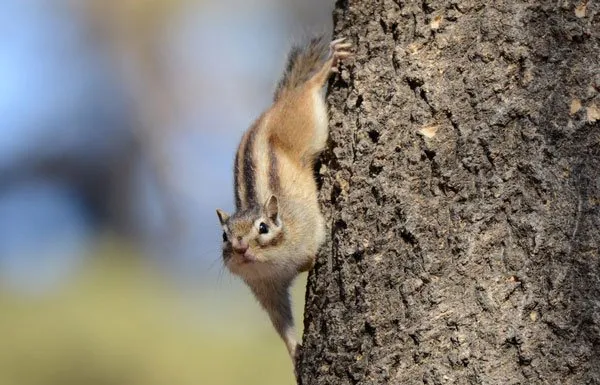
x=303 y=62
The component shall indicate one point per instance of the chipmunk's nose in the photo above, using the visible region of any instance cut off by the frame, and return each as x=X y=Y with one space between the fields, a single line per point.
x=240 y=246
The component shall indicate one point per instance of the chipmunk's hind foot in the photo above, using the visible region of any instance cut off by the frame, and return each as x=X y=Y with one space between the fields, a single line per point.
x=338 y=51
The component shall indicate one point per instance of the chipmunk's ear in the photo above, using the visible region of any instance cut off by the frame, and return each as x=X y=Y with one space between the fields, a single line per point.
x=272 y=209
x=223 y=216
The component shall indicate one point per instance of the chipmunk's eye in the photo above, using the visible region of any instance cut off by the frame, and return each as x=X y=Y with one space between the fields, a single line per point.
x=225 y=237
x=262 y=228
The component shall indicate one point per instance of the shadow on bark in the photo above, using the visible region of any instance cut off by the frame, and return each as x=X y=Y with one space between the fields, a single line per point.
x=565 y=62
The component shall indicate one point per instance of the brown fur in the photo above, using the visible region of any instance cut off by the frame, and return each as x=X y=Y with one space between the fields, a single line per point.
x=302 y=63
x=275 y=187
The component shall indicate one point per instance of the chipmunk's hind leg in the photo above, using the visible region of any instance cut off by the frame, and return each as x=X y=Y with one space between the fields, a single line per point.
x=298 y=121
x=337 y=51
x=303 y=61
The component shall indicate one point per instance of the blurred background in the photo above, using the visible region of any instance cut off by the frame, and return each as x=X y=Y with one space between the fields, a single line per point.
x=119 y=121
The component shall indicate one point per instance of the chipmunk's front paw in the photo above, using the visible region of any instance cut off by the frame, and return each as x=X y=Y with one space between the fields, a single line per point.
x=308 y=265
x=296 y=358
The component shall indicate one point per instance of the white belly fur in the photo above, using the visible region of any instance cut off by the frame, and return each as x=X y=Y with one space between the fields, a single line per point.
x=321 y=121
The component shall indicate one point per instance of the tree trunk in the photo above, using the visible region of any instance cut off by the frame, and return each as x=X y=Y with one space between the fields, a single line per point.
x=462 y=188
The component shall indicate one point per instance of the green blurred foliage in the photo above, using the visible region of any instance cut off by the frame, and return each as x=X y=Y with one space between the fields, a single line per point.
x=121 y=323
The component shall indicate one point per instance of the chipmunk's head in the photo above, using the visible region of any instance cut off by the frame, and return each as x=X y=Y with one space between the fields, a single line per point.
x=249 y=236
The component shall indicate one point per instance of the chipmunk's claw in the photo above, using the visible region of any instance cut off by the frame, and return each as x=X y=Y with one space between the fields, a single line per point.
x=338 y=51
x=336 y=42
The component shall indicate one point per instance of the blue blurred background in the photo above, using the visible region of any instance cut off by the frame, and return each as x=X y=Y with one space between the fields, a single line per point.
x=119 y=121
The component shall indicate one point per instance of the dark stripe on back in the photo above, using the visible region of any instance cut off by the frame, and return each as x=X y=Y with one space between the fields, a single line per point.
x=273 y=172
x=249 y=170
x=236 y=184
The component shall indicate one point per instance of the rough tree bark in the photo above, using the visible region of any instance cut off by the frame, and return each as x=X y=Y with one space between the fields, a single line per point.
x=462 y=187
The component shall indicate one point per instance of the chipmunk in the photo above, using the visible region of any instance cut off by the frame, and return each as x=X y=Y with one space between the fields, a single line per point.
x=278 y=227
